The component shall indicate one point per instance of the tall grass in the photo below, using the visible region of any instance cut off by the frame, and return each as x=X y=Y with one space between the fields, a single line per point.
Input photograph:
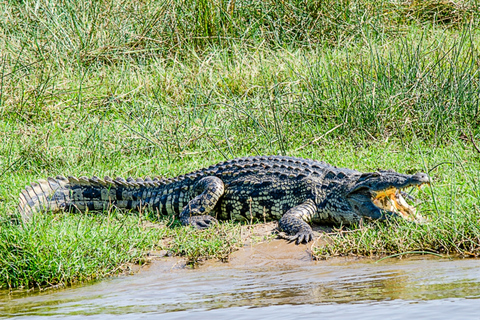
x=410 y=88
x=108 y=32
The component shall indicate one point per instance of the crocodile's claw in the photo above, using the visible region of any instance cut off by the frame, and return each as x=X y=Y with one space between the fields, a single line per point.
x=303 y=236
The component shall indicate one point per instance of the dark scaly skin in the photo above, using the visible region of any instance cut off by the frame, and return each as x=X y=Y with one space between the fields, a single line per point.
x=294 y=191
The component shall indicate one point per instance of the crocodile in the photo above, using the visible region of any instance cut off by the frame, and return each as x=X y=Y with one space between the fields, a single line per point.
x=294 y=191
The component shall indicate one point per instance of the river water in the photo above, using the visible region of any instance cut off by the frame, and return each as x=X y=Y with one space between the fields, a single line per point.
x=270 y=280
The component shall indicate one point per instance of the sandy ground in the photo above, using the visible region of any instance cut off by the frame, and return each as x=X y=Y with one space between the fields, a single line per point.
x=261 y=244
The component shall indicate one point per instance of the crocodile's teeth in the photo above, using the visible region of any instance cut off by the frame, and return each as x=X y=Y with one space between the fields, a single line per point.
x=392 y=200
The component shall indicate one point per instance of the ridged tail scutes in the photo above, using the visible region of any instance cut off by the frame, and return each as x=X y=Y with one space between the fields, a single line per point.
x=39 y=196
x=83 y=193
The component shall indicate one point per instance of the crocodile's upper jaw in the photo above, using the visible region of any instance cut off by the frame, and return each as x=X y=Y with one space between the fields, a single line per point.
x=382 y=191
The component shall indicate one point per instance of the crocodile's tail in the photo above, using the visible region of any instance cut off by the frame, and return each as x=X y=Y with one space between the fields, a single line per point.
x=80 y=194
x=39 y=196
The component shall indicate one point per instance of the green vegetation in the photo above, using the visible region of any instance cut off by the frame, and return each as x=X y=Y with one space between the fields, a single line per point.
x=65 y=249
x=165 y=87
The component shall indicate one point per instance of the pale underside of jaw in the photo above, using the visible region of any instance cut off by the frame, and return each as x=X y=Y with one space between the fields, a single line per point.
x=392 y=200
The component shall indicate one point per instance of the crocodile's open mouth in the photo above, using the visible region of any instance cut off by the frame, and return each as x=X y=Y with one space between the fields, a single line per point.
x=392 y=200
x=379 y=195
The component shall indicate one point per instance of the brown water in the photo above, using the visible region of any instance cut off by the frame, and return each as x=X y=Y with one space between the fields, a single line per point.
x=272 y=280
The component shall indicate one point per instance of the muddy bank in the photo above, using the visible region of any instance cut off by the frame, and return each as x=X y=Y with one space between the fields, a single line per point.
x=260 y=240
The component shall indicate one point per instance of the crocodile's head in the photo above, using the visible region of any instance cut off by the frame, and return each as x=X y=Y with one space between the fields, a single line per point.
x=379 y=194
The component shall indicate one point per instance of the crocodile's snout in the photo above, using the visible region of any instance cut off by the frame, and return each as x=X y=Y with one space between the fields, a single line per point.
x=382 y=192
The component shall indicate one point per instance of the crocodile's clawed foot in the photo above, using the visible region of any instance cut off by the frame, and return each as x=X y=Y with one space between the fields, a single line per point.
x=301 y=237
x=202 y=222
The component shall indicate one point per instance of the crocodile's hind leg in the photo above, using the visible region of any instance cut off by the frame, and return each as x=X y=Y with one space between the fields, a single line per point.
x=196 y=212
x=293 y=222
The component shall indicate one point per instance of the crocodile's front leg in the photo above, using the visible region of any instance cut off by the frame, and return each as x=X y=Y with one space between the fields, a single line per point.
x=196 y=212
x=293 y=222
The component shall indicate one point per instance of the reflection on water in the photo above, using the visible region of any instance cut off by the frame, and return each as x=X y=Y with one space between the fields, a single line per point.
x=277 y=280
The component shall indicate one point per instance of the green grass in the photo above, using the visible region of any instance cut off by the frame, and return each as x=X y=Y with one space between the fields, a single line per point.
x=59 y=250
x=65 y=249
x=166 y=87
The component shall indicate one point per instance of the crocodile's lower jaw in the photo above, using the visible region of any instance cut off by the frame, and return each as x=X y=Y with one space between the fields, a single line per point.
x=392 y=200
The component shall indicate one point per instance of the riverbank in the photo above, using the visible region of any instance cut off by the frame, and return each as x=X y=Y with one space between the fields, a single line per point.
x=61 y=249
x=158 y=89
